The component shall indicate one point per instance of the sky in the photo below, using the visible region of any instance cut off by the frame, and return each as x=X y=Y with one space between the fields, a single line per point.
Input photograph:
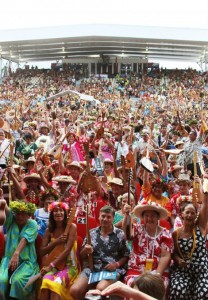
x=43 y=13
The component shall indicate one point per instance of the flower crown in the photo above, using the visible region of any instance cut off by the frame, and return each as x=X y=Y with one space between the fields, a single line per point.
x=161 y=181
x=184 y=199
x=54 y=205
x=22 y=206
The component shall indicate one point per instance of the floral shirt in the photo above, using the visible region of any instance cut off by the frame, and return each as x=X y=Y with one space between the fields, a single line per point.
x=145 y=246
x=108 y=249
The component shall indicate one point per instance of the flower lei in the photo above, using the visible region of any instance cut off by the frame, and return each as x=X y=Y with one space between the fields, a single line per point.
x=54 y=205
x=22 y=206
x=184 y=199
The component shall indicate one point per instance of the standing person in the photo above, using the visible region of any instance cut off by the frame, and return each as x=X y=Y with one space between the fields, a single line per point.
x=109 y=251
x=194 y=144
x=188 y=276
x=19 y=262
x=4 y=149
x=57 y=281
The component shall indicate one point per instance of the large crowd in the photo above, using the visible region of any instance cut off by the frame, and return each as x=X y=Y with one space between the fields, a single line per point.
x=104 y=185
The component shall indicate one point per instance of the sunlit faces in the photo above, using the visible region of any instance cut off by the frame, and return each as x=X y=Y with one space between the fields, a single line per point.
x=189 y=213
x=44 y=130
x=150 y=217
x=116 y=189
x=33 y=183
x=58 y=214
x=106 y=219
x=48 y=200
x=157 y=190
x=70 y=139
x=74 y=172
x=62 y=186
x=21 y=218
x=184 y=187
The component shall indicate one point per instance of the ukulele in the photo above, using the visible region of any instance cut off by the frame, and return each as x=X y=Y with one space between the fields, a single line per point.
x=57 y=250
x=129 y=218
x=87 y=182
x=196 y=190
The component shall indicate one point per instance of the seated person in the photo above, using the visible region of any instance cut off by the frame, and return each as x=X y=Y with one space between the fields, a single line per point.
x=109 y=252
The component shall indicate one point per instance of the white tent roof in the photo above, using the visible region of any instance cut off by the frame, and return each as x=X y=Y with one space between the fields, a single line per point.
x=55 y=43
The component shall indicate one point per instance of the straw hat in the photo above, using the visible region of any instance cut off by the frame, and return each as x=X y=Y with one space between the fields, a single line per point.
x=150 y=205
x=179 y=143
x=117 y=181
x=30 y=159
x=63 y=178
x=75 y=164
x=27 y=178
x=174 y=168
x=108 y=161
x=184 y=177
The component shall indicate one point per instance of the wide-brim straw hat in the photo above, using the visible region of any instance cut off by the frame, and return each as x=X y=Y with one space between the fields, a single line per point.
x=117 y=181
x=108 y=161
x=75 y=164
x=30 y=159
x=184 y=177
x=150 y=206
x=179 y=143
x=63 y=178
x=175 y=168
x=32 y=176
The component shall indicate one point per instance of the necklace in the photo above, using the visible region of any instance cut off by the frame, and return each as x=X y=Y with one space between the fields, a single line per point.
x=188 y=255
x=153 y=246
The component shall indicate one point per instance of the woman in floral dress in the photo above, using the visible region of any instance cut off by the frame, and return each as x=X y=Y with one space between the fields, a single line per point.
x=152 y=244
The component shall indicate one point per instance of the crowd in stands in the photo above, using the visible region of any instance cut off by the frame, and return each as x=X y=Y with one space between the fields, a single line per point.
x=103 y=185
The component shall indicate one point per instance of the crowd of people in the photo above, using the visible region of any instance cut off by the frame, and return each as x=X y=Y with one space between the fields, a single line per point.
x=104 y=185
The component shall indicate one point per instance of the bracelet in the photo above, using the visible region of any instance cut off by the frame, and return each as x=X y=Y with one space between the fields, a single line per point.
x=118 y=264
x=52 y=265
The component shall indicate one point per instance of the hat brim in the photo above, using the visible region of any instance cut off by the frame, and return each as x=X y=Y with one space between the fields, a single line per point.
x=140 y=209
x=29 y=177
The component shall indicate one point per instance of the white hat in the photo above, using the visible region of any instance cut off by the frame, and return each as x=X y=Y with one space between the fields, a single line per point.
x=117 y=181
x=63 y=178
x=150 y=205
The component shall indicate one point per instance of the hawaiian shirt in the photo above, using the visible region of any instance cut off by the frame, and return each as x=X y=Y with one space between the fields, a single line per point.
x=108 y=249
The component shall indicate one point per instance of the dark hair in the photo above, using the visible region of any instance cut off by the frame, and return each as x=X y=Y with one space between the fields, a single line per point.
x=151 y=284
x=28 y=136
x=52 y=223
x=153 y=210
x=108 y=210
x=185 y=205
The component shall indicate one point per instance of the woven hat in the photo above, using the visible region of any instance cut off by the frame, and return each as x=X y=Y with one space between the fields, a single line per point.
x=108 y=161
x=117 y=181
x=32 y=176
x=75 y=164
x=30 y=159
x=44 y=125
x=179 y=143
x=174 y=168
x=184 y=177
x=63 y=178
x=149 y=206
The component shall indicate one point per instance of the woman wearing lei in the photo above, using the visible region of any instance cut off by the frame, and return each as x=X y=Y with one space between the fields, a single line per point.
x=189 y=277
x=19 y=261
